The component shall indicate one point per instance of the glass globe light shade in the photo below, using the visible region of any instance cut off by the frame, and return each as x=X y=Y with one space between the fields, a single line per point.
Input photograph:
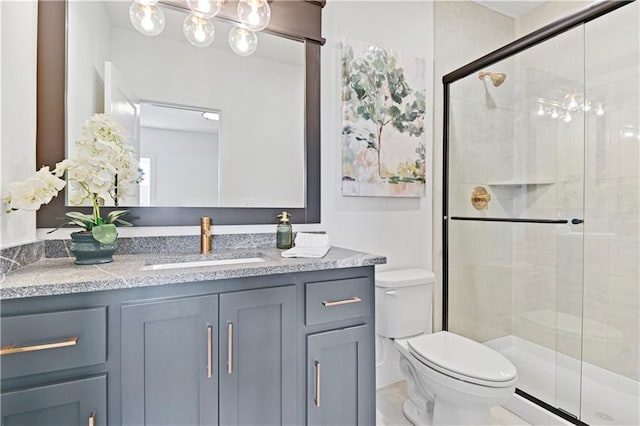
x=254 y=14
x=199 y=31
x=147 y=19
x=243 y=41
x=205 y=8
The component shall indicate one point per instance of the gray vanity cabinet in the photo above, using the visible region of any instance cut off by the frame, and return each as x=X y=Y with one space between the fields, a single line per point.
x=340 y=377
x=258 y=357
x=281 y=349
x=73 y=403
x=246 y=351
x=168 y=352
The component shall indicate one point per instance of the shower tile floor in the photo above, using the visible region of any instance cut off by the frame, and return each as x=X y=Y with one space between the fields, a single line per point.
x=389 y=402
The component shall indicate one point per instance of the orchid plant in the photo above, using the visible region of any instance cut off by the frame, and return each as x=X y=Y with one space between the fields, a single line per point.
x=104 y=168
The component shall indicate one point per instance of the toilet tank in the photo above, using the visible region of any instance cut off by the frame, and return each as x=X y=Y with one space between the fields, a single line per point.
x=403 y=302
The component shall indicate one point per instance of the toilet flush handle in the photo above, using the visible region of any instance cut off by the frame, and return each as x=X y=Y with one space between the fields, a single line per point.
x=391 y=292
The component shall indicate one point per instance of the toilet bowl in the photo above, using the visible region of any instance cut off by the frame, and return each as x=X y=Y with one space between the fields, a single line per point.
x=451 y=380
x=457 y=380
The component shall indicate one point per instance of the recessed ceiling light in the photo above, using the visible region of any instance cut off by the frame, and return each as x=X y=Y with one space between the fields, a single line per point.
x=211 y=115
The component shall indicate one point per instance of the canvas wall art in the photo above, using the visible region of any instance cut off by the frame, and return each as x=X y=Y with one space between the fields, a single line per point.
x=383 y=122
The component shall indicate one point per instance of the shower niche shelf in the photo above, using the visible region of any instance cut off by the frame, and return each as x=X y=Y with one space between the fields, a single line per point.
x=521 y=182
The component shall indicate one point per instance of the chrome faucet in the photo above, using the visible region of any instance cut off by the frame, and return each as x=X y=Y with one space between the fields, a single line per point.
x=205 y=235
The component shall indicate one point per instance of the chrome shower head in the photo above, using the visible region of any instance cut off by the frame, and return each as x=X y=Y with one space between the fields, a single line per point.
x=497 y=78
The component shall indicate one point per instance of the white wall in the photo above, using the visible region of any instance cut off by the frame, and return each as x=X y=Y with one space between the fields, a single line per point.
x=174 y=168
x=398 y=228
x=18 y=119
x=89 y=46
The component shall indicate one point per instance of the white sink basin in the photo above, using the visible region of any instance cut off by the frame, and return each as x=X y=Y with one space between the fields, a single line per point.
x=201 y=263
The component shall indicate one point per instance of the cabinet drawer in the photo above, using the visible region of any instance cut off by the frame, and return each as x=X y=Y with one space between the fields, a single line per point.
x=51 y=341
x=78 y=402
x=337 y=300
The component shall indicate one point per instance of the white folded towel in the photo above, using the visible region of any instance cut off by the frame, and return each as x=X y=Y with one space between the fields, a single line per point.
x=309 y=245
x=306 y=252
x=311 y=240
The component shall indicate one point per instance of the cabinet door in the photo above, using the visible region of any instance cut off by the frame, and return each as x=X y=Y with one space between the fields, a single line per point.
x=341 y=377
x=168 y=359
x=80 y=402
x=258 y=357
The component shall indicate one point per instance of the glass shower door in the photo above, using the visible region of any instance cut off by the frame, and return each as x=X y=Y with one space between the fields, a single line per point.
x=515 y=210
x=611 y=355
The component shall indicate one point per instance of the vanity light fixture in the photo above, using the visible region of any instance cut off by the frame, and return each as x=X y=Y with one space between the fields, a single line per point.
x=205 y=8
x=572 y=105
x=253 y=15
x=211 y=115
x=146 y=17
x=198 y=31
x=243 y=41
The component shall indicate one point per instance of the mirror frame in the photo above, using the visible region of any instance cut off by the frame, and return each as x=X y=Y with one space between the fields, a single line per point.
x=299 y=20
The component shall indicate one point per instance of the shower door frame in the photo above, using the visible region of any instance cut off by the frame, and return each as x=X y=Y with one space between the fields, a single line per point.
x=547 y=32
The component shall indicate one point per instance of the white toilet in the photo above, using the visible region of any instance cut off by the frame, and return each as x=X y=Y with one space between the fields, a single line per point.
x=451 y=380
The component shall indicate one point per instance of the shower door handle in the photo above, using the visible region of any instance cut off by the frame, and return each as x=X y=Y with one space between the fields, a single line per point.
x=576 y=221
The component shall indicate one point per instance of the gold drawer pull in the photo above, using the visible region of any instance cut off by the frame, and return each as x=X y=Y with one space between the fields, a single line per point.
x=209 y=351
x=342 y=302
x=92 y=419
x=316 y=400
x=11 y=349
x=230 y=348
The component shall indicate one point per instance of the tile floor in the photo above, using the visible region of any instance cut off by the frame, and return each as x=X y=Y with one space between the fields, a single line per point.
x=389 y=402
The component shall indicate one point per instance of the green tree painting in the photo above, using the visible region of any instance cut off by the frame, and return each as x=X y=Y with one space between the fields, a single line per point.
x=383 y=148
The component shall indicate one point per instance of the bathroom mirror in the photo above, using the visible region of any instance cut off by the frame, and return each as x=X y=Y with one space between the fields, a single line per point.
x=263 y=152
x=157 y=88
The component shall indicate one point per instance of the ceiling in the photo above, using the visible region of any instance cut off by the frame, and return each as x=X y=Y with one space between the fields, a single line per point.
x=512 y=8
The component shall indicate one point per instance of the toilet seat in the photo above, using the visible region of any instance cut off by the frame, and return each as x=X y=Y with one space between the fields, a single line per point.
x=463 y=359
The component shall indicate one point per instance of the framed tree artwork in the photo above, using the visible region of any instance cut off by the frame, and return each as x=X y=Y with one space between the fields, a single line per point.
x=383 y=122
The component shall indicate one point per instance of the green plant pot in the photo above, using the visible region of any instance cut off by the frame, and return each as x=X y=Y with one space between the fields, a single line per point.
x=88 y=251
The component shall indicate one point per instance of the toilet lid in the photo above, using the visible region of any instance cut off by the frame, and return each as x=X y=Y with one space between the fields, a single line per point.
x=463 y=358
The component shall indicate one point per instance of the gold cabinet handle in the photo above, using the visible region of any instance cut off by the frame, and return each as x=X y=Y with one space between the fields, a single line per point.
x=209 y=351
x=92 y=419
x=12 y=349
x=342 y=302
x=230 y=348
x=316 y=400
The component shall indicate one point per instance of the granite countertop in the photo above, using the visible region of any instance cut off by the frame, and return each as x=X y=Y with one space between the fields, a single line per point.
x=53 y=276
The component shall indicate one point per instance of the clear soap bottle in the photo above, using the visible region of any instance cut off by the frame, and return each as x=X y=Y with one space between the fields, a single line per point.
x=284 y=232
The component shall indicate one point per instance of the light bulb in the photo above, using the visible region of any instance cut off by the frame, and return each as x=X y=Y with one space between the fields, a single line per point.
x=243 y=41
x=540 y=109
x=205 y=8
x=254 y=14
x=147 y=19
x=554 y=113
x=600 y=110
x=587 y=107
x=567 y=117
x=199 y=31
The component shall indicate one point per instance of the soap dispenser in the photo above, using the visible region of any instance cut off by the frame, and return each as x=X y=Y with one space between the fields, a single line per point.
x=284 y=232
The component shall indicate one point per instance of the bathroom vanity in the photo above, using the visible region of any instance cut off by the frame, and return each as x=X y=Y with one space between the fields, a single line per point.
x=277 y=341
